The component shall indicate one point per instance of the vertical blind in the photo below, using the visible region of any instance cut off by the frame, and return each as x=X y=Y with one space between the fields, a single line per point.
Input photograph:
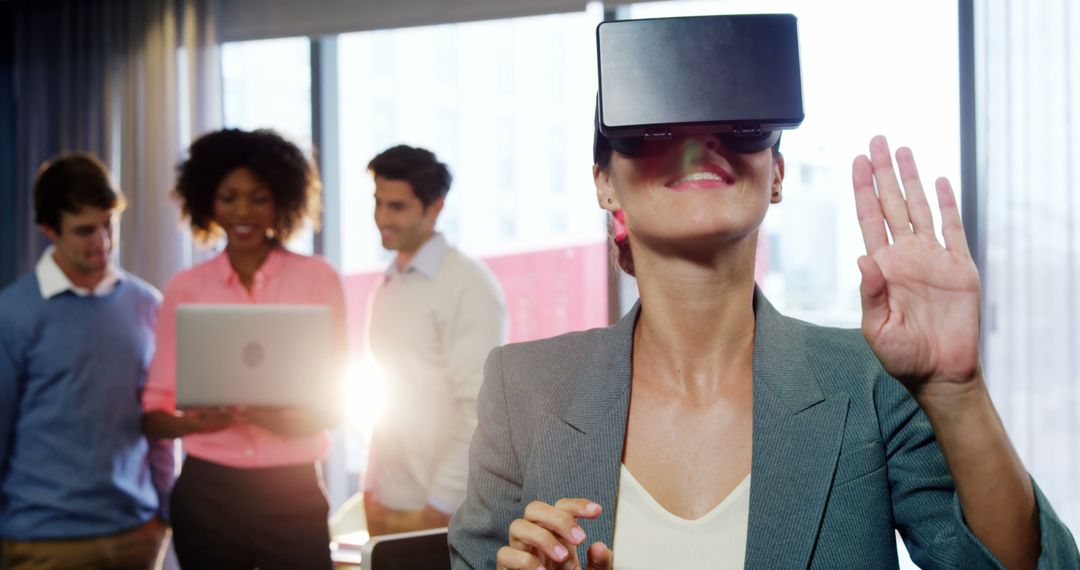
x=1028 y=116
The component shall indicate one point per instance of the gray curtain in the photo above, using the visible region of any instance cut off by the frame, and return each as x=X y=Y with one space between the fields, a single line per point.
x=7 y=146
x=1028 y=115
x=127 y=80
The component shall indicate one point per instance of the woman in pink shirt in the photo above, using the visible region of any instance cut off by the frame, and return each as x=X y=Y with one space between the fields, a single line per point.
x=250 y=492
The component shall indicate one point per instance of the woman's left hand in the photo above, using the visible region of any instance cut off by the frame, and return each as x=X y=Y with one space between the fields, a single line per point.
x=920 y=300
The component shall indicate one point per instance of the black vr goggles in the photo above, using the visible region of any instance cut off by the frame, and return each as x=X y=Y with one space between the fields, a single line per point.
x=734 y=76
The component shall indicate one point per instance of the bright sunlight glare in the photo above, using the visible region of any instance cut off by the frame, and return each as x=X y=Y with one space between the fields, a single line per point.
x=365 y=397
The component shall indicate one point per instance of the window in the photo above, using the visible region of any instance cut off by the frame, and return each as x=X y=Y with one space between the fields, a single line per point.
x=1029 y=190
x=267 y=85
x=513 y=123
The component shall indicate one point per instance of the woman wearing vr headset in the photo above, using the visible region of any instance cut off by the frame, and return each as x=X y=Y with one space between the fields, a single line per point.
x=706 y=430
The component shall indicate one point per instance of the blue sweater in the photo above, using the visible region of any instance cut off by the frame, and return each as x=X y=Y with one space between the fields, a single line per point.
x=73 y=459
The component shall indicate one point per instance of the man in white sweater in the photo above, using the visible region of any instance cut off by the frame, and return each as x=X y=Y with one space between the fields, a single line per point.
x=432 y=322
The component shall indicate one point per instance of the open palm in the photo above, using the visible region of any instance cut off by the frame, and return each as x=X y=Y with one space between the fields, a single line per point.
x=920 y=299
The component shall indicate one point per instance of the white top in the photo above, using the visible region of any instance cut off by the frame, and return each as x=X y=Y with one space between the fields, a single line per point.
x=52 y=280
x=431 y=326
x=649 y=536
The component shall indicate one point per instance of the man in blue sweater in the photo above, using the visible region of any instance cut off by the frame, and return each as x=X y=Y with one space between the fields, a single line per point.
x=80 y=486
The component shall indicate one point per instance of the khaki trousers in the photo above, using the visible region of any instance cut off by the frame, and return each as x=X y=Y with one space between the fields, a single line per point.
x=136 y=549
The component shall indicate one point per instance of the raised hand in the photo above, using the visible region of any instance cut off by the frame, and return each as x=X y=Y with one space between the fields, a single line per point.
x=547 y=537
x=920 y=299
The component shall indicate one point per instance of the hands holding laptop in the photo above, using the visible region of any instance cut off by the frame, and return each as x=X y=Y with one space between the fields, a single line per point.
x=289 y=421
x=208 y=420
x=164 y=424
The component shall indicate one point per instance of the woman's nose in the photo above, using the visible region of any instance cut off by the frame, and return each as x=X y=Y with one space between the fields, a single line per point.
x=705 y=143
x=712 y=142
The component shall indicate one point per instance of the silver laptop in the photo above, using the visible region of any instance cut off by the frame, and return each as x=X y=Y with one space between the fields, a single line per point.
x=253 y=355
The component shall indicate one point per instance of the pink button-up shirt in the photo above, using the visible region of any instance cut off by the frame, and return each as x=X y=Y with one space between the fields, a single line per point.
x=284 y=278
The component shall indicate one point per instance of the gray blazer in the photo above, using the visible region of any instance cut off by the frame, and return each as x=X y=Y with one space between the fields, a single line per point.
x=842 y=455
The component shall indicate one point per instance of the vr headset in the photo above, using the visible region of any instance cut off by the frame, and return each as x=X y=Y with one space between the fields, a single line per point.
x=734 y=76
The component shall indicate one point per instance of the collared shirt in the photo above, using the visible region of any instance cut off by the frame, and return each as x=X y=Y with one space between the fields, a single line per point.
x=52 y=280
x=431 y=326
x=284 y=278
x=426 y=260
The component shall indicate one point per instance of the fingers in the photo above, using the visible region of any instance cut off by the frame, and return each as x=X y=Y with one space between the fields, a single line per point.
x=205 y=420
x=197 y=420
x=252 y=415
x=561 y=519
x=526 y=536
x=548 y=532
x=918 y=208
x=904 y=212
x=509 y=558
x=599 y=557
x=581 y=508
x=892 y=200
x=952 y=227
x=867 y=205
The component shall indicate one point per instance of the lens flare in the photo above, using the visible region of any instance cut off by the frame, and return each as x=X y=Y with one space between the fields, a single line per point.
x=365 y=397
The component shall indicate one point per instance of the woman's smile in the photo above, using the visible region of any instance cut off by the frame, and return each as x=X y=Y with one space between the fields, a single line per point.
x=243 y=231
x=703 y=177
